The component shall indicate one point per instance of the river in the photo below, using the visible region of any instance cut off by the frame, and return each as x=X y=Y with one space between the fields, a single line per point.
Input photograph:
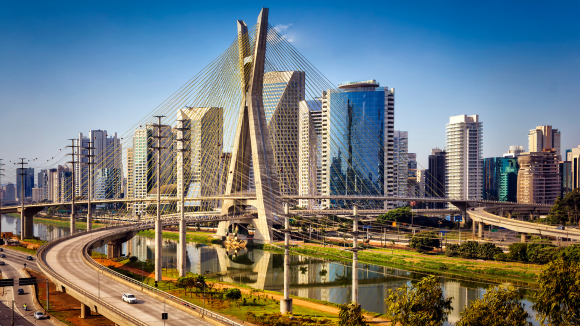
x=310 y=277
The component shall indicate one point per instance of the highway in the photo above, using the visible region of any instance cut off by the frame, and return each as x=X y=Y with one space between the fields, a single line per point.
x=14 y=263
x=65 y=259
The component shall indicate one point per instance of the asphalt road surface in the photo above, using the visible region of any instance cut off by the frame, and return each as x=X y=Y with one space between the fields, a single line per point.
x=12 y=270
x=66 y=259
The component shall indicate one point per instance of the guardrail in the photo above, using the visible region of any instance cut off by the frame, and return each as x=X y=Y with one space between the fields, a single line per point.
x=164 y=294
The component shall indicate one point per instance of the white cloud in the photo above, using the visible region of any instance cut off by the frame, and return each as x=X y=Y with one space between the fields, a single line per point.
x=281 y=28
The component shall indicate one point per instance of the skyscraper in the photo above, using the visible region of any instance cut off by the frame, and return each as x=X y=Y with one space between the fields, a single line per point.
x=435 y=177
x=28 y=182
x=565 y=170
x=464 y=162
x=283 y=91
x=491 y=176
x=203 y=149
x=145 y=162
x=508 y=179
x=538 y=177
x=514 y=151
x=401 y=164
x=309 y=127
x=544 y=137
x=356 y=137
x=10 y=192
x=573 y=156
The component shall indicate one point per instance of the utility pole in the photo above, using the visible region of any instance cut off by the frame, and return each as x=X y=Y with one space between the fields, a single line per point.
x=72 y=191
x=286 y=302
x=181 y=249
x=23 y=224
x=355 y=255
x=158 y=226
x=90 y=164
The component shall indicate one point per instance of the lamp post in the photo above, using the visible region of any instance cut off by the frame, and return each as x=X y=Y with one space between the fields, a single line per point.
x=203 y=311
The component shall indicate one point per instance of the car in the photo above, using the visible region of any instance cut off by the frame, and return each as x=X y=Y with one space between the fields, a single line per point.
x=2 y=263
x=29 y=258
x=129 y=298
x=39 y=315
x=2 y=256
x=20 y=291
x=1 y=249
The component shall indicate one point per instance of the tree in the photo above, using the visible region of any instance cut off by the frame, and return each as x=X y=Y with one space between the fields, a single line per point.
x=498 y=307
x=566 y=209
x=422 y=304
x=233 y=294
x=558 y=302
x=427 y=240
x=350 y=314
x=571 y=253
x=518 y=251
x=396 y=214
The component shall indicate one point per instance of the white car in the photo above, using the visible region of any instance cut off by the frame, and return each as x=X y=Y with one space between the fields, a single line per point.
x=129 y=298
x=39 y=315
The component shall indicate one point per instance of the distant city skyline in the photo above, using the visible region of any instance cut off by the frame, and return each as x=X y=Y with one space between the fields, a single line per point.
x=74 y=67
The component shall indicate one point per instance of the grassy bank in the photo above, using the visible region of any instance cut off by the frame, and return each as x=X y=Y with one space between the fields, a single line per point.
x=191 y=237
x=432 y=264
x=65 y=223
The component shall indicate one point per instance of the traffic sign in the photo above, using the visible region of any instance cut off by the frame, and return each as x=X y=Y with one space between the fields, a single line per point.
x=164 y=315
x=7 y=282
x=27 y=281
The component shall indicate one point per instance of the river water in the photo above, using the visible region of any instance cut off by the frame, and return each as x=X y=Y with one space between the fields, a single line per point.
x=310 y=277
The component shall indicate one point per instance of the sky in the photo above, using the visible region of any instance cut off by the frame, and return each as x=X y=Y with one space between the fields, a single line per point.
x=73 y=66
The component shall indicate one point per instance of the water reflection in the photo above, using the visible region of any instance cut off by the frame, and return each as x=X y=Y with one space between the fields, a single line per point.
x=310 y=277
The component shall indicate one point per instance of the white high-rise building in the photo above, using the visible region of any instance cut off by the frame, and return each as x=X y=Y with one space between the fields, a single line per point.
x=401 y=164
x=464 y=157
x=544 y=137
x=308 y=165
x=145 y=163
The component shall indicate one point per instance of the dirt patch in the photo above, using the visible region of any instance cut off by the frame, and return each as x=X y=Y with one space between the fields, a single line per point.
x=66 y=308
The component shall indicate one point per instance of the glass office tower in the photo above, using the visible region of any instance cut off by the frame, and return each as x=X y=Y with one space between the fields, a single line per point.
x=357 y=128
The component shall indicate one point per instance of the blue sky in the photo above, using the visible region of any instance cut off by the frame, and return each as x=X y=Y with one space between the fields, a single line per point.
x=68 y=67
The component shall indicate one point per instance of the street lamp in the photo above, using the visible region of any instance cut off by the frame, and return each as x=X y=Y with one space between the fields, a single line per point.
x=203 y=311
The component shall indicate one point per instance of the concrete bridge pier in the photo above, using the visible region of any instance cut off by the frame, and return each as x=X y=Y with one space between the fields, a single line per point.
x=480 y=230
x=26 y=220
x=522 y=237
x=85 y=311
x=286 y=302
x=114 y=249
x=473 y=223
x=181 y=248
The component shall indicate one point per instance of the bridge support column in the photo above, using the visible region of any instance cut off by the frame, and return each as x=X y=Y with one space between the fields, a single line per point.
x=522 y=237
x=85 y=311
x=114 y=249
x=26 y=219
x=181 y=249
x=286 y=302
x=480 y=230
x=473 y=222
x=509 y=215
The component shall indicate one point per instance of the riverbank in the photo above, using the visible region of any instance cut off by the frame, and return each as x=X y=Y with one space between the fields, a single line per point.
x=200 y=237
x=519 y=274
x=60 y=222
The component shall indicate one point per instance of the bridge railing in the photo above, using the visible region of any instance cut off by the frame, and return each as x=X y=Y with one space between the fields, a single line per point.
x=41 y=251
x=152 y=289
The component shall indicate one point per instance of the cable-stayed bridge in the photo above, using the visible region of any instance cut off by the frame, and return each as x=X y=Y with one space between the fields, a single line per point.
x=252 y=135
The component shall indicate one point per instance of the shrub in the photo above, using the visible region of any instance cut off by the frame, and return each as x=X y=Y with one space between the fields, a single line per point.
x=488 y=251
x=351 y=315
x=535 y=247
x=572 y=253
x=469 y=249
x=501 y=257
x=518 y=251
x=133 y=259
x=233 y=294
x=543 y=255
x=425 y=241
x=452 y=250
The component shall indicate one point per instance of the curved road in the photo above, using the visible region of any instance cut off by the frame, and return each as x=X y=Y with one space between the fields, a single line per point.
x=66 y=259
